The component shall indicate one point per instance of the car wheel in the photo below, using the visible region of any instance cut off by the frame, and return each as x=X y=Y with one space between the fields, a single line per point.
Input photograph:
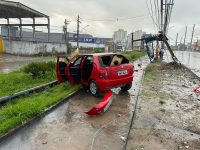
x=126 y=87
x=93 y=87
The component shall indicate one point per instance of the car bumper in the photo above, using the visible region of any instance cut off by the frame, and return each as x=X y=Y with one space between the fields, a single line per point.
x=105 y=84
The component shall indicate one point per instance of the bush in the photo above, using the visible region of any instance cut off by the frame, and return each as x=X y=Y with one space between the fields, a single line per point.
x=133 y=55
x=39 y=69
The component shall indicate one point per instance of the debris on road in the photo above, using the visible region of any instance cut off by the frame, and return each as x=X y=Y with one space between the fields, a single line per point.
x=197 y=89
x=102 y=106
x=123 y=138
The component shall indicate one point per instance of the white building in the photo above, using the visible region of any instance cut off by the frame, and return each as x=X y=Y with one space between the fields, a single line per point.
x=136 y=35
x=119 y=37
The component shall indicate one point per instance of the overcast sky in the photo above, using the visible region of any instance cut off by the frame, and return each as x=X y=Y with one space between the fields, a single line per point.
x=106 y=16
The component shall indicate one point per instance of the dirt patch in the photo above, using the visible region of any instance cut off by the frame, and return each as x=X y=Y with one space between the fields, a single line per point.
x=167 y=116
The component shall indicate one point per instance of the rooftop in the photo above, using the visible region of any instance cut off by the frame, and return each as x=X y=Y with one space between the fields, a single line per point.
x=10 y=9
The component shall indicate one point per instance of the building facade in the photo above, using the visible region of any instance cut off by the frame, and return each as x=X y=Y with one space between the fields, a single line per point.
x=136 y=35
x=120 y=38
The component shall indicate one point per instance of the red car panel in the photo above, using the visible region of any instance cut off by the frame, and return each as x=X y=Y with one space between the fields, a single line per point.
x=102 y=106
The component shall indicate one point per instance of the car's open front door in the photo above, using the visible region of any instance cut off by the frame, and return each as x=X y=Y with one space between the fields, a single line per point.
x=61 y=67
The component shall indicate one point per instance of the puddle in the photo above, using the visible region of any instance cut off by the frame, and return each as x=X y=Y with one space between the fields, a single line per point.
x=12 y=62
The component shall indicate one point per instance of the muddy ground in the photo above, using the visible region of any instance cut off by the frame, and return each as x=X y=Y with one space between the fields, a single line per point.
x=168 y=111
x=69 y=128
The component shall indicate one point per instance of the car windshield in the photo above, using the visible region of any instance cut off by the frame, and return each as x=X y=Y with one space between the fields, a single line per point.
x=112 y=60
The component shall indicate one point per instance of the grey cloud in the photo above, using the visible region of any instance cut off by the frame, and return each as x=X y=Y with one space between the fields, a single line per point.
x=185 y=12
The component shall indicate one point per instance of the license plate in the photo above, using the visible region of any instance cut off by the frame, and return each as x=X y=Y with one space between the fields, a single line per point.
x=121 y=73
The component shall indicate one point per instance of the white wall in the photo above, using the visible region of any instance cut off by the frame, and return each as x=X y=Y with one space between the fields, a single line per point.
x=31 y=48
x=34 y=48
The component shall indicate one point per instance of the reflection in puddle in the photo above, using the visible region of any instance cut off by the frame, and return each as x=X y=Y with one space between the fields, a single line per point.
x=190 y=59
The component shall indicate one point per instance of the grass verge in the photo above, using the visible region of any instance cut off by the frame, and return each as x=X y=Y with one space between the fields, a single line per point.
x=133 y=55
x=151 y=76
x=22 y=109
x=152 y=72
x=31 y=75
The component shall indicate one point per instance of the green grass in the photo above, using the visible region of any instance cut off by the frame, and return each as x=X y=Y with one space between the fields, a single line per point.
x=31 y=75
x=20 y=110
x=133 y=55
x=152 y=73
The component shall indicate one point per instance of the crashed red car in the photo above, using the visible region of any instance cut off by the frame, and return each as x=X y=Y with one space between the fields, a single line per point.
x=97 y=72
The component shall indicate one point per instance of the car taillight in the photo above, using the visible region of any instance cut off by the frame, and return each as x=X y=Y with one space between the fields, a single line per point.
x=103 y=73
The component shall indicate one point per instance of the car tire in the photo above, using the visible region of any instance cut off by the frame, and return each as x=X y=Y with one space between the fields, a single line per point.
x=93 y=87
x=126 y=87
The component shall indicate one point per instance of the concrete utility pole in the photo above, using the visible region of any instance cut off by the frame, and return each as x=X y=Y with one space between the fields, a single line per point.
x=33 y=29
x=78 y=21
x=192 y=37
x=185 y=36
x=66 y=34
x=20 y=28
x=8 y=22
x=162 y=25
x=132 y=40
x=161 y=15
x=180 y=43
x=176 y=41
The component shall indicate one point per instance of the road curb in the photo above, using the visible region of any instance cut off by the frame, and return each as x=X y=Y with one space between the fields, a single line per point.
x=38 y=117
x=133 y=115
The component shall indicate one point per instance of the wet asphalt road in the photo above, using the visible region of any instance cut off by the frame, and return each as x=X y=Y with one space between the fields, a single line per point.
x=68 y=127
x=11 y=62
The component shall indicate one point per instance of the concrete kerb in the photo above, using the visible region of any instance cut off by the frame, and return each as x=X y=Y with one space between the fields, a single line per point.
x=36 y=118
x=134 y=112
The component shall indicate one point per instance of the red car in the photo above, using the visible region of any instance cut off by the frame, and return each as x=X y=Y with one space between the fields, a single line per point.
x=97 y=72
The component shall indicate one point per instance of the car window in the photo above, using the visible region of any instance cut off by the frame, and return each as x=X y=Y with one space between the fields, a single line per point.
x=116 y=60
x=77 y=62
x=112 y=60
x=105 y=60
x=89 y=59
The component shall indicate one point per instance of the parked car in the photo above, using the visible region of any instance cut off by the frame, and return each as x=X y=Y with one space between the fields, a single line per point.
x=97 y=72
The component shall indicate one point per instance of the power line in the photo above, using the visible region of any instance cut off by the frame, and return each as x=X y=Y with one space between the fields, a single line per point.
x=116 y=19
x=151 y=15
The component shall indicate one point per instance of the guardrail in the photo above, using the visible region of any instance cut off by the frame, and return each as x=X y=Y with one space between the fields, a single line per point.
x=28 y=91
